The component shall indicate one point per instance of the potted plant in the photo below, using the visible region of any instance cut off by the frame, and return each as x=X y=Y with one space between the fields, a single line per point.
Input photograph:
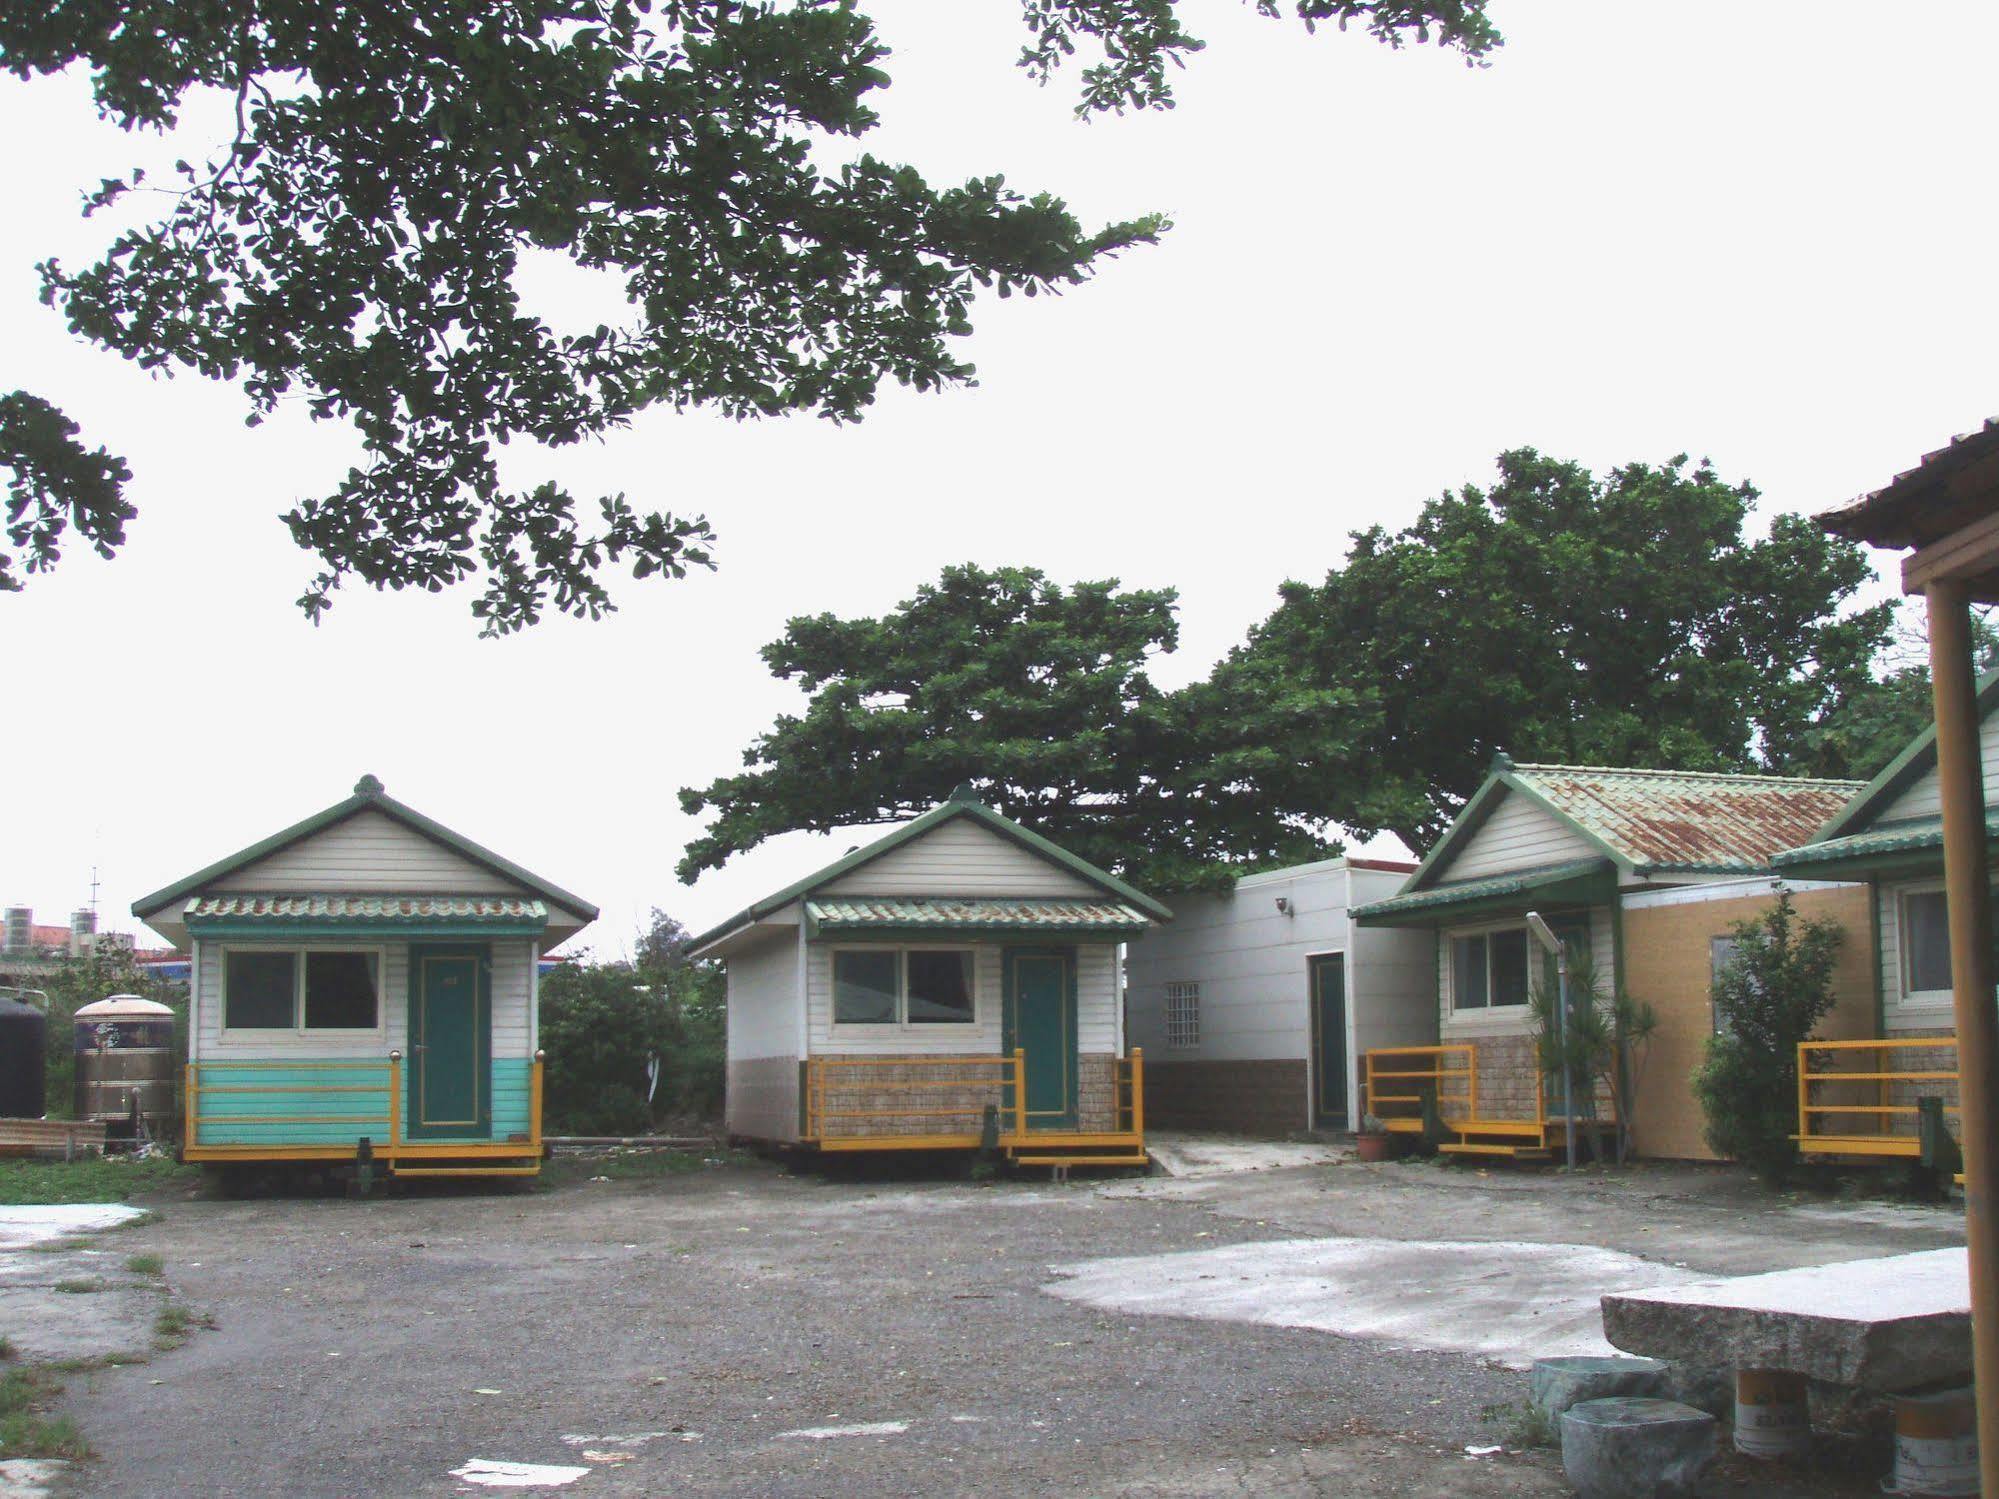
x=1374 y=1143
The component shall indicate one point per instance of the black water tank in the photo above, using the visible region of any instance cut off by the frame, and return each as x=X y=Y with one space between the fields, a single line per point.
x=23 y=1060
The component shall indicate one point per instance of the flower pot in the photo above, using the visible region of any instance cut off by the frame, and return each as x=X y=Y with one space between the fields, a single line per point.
x=1375 y=1147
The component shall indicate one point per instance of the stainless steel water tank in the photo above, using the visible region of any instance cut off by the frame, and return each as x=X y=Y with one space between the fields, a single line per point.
x=125 y=1051
x=23 y=1060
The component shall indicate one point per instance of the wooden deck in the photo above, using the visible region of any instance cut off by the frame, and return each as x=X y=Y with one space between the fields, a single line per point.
x=51 y=1139
x=968 y=1103
x=1405 y=1087
x=278 y=1111
x=1852 y=1100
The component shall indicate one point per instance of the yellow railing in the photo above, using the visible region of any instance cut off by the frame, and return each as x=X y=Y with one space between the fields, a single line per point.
x=923 y=1101
x=381 y=1076
x=1883 y=1119
x=1394 y=1081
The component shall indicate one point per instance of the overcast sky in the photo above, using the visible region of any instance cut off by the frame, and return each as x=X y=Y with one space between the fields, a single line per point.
x=1753 y=232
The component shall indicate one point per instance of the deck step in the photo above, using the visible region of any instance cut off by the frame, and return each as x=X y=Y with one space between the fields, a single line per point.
x=1896 y=1145
x=1140 y=1159
x=534 y=1170
x=1487 y=1147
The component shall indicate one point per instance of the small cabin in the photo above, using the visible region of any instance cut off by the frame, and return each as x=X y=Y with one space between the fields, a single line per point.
x=1255 y=1007
x=1640 y=874
x=364 y=988
x=952 y=985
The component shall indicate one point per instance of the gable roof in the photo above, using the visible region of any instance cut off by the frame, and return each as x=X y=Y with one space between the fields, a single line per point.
x=368 y=797
x=963 y=804
x=1946 y=490
x=1654 y=821
x=1917 y=759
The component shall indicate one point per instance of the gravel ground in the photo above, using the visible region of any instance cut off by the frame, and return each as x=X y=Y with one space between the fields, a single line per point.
x=713 y=1327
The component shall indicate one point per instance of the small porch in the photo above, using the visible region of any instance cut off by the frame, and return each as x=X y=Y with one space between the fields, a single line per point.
x=1422 y=1090
x=276 y=1111
x=1895 y=1097
x=983 y=1102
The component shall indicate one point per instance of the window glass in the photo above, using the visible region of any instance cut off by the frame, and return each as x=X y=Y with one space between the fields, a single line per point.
x=864 y=987
x=340 y=991
x=258 y=990
x=1468 y=973
x=940 y=988
x=1183 y=1014
x=1926 y=935
x=1508 y=963
x=1721 y=952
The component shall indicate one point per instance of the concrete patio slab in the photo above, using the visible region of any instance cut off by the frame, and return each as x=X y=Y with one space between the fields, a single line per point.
x=1883 y=1324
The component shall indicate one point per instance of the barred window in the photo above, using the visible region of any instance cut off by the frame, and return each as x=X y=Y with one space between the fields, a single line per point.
x=1183 y=1014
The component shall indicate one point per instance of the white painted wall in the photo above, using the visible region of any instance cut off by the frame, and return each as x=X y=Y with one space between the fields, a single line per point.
x=1252 y=962
x=1097 y=1003
x=1517 y=835
x=1923 y=798
x=368 y=851
x=961 y=857
x=763 y=998
x=512 y=977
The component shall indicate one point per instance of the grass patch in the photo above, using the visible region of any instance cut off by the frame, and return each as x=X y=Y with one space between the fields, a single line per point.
x=145 y=1264
x=79 y=1286
x=26 y=1429
x=92 y=1364
x=176 y=1324
x=110 y=1178
x=1521 y=1423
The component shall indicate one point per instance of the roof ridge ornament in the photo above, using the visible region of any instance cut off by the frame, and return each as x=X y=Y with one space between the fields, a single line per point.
x=964 y=791
x=368 y=786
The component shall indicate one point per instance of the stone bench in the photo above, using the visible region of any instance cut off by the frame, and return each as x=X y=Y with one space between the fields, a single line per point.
x=1883 y=1325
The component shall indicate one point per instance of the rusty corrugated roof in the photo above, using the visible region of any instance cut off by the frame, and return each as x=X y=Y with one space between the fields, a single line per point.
x=1687 y=820
x=393 y=908
x=1947 y=489
x=945 y=913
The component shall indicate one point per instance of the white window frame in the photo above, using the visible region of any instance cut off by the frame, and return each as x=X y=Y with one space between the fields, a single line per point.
x=1180 y=1015
x=1450 y=967
x=298 y=1028
x=1910 y=996
x=902 y=1025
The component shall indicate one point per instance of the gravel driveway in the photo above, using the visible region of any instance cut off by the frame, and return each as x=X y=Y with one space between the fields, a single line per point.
x=741 y=1330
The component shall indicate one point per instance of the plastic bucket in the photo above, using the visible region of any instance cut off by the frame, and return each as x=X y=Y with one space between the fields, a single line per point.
x=1771 y=1414
x=1936 y=1445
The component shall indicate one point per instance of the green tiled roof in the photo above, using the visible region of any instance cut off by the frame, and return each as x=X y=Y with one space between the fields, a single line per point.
x=1578 y=878
x=945 y=913
x=1895 y=840
x=414 y=910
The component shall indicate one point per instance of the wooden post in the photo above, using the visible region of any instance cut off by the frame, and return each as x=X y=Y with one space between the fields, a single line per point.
x=395 y=1101
x=1020 y=1091
x=534 y=1101
x=191 y=1110
x=1967 y=885
x=1138 y=1089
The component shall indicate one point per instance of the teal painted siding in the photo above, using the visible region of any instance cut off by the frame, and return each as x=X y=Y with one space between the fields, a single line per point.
x=512 y=1081
x=232 y=1117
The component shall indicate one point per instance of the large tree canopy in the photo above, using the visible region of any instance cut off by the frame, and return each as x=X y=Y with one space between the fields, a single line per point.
x=1630 y=619
x=357 y=242
x=1035 y=694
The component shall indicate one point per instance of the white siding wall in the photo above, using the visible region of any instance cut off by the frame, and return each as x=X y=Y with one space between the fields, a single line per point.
x=1097 y=1003
x=511 y=1025
x=1253 y=965
x=368 y=851
x=763 y=998
x=1922 y=799
x=1517 y=835
x=1513 y=1019
x=961 y=858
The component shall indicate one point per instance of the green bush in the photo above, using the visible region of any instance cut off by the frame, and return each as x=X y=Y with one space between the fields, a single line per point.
x=604 y=1026
x=1768 y=998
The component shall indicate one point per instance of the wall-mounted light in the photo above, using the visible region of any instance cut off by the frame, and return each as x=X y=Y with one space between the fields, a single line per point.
x=1284 y=906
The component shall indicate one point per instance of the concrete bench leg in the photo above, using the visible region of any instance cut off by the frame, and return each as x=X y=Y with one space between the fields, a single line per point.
x=1629 y=1447
x=1562 y=1382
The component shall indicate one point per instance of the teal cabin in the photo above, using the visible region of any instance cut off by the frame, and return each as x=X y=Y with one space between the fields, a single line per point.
x=364 y=988
x=956 y=984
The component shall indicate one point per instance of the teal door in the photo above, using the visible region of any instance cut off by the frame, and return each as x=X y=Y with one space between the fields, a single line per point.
x=1041 y=1019
x=450 y=1043
x=1329 y=1042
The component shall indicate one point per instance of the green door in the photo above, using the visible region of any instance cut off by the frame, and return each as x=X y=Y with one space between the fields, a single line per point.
x=1329 y=1042
x=451 y=1044
x=1041 y=1019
